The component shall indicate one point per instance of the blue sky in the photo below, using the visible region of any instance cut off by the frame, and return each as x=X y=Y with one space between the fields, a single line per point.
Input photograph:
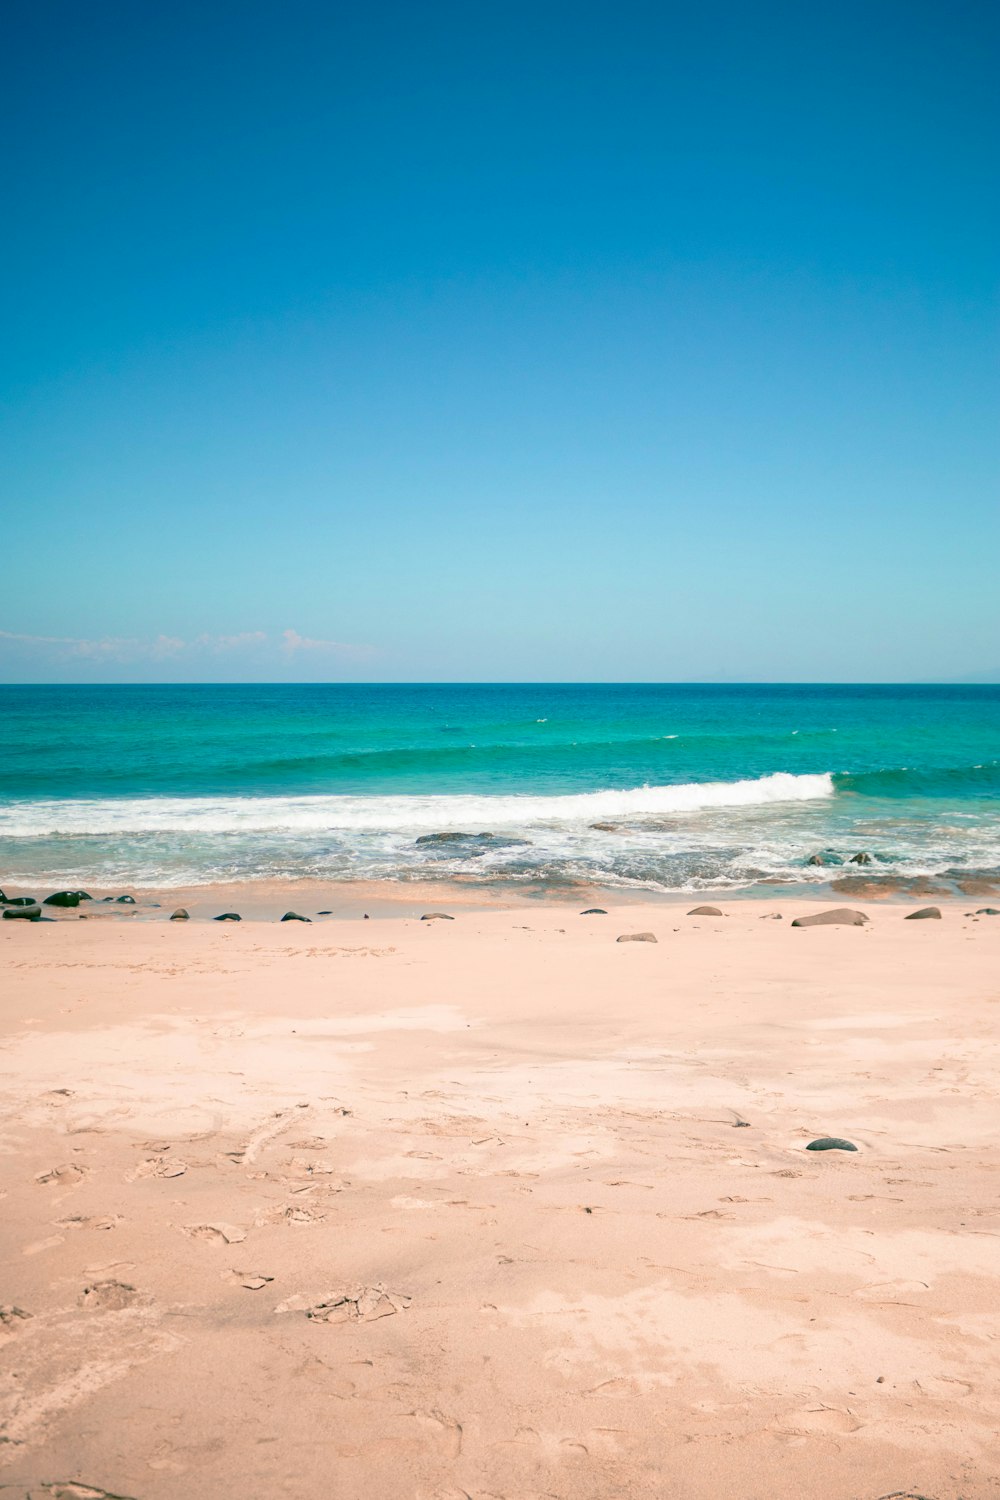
x=592 y=341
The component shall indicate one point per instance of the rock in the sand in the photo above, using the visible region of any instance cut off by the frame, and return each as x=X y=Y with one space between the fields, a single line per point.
x=180 y=915
x=20 y=901
x=594 y=911
x=636 y=937
x=925 y=911
x=294 y=916
x=704 y=911
x=839 y=916
x=228 y=916
x=29 y=913
x=988 y=911
x=125 y=900
x=862 y=858
x=66 y=898
x=831 y=1143
x=436 y=916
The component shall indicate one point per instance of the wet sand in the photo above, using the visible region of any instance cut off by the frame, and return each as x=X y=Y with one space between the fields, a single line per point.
x=500 y=1207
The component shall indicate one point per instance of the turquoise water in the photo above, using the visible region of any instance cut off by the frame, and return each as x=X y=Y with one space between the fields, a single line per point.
x=699 y=787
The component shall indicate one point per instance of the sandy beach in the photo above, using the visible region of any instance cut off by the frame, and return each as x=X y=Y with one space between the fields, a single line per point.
x=502 y=1208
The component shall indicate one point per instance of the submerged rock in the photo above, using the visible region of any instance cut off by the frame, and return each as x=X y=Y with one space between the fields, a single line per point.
x=594 y=911
x=30 y=912
x=67 y=898
x=228 y=916
x=831 y=1143
x=839 y=916
x=294 y=916
x=636 y=937
x=472 y=845
x=825 y=857
x=605 y=827
x=704 y=911
x=125 y=900
x=180 y=915
x=862 y=858
x=925 y=911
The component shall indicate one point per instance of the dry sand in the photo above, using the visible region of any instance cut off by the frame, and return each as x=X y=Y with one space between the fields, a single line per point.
x=501 y=1208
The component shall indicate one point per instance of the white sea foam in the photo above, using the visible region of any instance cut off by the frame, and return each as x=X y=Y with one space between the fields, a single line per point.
x=170 y=815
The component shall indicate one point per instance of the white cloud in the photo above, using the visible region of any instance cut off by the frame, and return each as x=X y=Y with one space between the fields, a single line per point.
x=294 y=642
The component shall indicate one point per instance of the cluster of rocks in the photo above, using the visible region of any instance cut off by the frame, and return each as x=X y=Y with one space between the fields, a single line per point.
x=29 y=908
x=830 y=857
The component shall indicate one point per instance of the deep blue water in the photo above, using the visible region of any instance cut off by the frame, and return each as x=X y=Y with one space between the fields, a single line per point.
x=701 y=786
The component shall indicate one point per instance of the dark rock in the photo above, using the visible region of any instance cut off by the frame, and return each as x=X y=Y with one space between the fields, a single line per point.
x=21 y=901
x=863 y=858
x=324 y=914
x=831 y=1143
x=839 y=916
x=594 y=911
x=29 y=913
x=636 y=937
x=925 y=911
x=447 y=838
x=66 y=898
x=605 y=827
x=125 y=900
x=294 y=916
x=988 y=911
x=228 y=916
x=825 y=857
x=436 y=916
x=180 y=915
x=704 y=911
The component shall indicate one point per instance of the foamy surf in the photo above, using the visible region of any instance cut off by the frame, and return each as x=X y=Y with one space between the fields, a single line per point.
x=393 y=814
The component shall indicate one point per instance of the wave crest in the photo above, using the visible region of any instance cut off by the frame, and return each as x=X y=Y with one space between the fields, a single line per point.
x=388 y=814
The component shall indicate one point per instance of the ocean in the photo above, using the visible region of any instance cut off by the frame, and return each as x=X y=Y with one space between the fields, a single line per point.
x=669 y=788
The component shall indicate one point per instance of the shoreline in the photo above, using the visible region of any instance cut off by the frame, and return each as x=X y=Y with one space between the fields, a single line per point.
x=267 y=899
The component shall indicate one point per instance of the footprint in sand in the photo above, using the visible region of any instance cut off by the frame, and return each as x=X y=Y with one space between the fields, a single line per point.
x=253 y=1281
x=820 y=1419
x=289 y=1213
x=445 y=1432
x=361 y=1305
x=37 y=1246
x=85 y=1221
x=157 y=1166
x=216 y=1234
x=67 y=1176
x=110 y=1296
x=943 y=1388
x=11 y=1318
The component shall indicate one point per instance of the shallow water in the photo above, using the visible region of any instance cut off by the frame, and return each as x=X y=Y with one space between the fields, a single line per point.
x=697 y=787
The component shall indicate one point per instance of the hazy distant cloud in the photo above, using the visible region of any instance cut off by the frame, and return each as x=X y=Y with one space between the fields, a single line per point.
x=162 y=647
x=232 y=642
x=293 y=642
x=115 y=647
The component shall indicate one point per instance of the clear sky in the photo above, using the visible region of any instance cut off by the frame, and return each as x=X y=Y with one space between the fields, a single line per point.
x=499 y=341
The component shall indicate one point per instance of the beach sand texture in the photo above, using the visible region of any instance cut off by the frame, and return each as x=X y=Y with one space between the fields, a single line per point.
x=501 y=1208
